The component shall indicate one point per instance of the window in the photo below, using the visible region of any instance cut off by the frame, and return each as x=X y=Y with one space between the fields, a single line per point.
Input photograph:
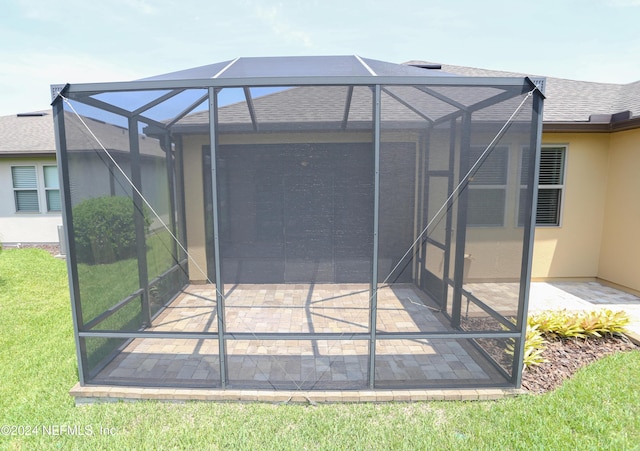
x=25 y=188
x=488 y=188
x=550 y=187
x=52 y=188
x=27 y=195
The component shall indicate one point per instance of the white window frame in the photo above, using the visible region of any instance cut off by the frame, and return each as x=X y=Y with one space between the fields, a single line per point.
x=47 y=189
x=16 y=190
x=561 y=187
x=40 y=189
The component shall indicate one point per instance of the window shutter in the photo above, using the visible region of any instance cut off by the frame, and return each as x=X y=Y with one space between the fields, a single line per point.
x=24 y=177
x=25 y=187
x=551 y=166
x=548 y=209
x=27 y=201
x=550 y=186
x=493 y=171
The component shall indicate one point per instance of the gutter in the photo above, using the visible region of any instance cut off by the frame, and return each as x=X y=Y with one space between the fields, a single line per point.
x=598 y=123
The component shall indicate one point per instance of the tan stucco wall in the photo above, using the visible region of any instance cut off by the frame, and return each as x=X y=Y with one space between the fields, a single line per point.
x=620 y=250
x=573 y=249
x=592 y=240
x=194 y=206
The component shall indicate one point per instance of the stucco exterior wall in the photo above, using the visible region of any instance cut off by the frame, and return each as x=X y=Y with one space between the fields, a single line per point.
x=572 y=250
x=194 y=206
x=194 y=200
x=23 y=227
x=620 y=250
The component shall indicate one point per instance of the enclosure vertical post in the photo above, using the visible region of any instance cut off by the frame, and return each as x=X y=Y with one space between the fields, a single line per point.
x=529 y=232
x=139 y=219
x=166 y=141
x=461 y=223
x=449 y=220
x=373 y=292
x=213 y=136
x=180 y=201
x=67 y=220
x=422 y=183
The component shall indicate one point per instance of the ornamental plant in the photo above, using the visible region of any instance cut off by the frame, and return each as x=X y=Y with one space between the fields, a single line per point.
x=534 y=346
x=597 y=323
x=563 y=324
x=104 y=229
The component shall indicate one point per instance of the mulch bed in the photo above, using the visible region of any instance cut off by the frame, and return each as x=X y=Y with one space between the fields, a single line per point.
x=566 y=356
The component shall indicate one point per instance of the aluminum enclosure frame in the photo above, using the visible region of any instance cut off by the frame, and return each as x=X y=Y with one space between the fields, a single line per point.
x=513 y=87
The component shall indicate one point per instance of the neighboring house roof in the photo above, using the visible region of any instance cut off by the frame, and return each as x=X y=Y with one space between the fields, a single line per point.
x=27 y=134
x=114 y=138
x=32 y=134
x=572 y=101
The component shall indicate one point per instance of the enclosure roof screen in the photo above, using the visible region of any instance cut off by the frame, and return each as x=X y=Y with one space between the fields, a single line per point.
x=297 y=66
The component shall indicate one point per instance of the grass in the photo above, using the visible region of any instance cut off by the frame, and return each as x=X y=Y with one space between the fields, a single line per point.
x=104 y=285
x=598 y=409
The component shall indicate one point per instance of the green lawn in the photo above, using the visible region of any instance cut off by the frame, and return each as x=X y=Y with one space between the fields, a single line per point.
x=599 y=409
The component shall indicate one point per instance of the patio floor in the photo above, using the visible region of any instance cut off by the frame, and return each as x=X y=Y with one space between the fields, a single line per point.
x=301 y=371
x=299 y=364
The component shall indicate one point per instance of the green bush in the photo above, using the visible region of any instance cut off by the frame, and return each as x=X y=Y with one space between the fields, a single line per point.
x=104 y=229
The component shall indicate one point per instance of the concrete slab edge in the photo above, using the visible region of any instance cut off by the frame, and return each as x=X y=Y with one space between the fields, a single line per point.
x=633 y=337
x=102 y=393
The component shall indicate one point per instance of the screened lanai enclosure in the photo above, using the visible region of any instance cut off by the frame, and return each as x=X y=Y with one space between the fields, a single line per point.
x=300 y=223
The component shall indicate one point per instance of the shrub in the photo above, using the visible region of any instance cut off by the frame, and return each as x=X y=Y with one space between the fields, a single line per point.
x=563 y=324
x=534 y=346
x=104 y=229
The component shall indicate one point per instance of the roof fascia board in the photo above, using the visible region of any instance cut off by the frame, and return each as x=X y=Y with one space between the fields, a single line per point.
x=28 y=154
x=567 y=127
x=590 y=127
x=626 y=125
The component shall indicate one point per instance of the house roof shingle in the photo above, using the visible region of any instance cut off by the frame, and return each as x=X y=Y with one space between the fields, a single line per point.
x=30 y=133
x=569 y=100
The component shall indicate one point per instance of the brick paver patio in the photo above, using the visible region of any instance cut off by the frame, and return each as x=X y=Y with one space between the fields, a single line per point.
x=297 y=364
